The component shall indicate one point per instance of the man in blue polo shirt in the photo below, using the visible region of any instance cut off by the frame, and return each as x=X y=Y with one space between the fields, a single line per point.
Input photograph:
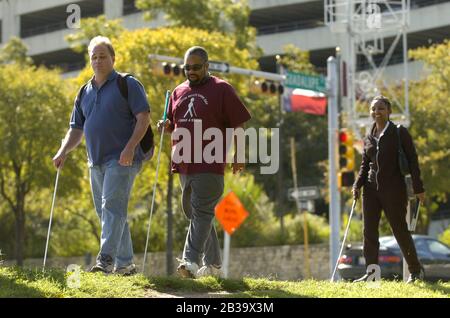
x=113 y=127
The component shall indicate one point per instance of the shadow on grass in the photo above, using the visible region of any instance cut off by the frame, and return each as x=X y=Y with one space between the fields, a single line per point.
x=269 y=294
x=15 y=282
x=438 y=287
x=235 y=287
x=12 y=289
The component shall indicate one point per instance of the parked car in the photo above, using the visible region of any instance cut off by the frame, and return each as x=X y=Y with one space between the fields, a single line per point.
x=433 y=254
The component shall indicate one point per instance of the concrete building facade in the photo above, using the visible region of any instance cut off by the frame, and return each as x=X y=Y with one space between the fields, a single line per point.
x=42 y=24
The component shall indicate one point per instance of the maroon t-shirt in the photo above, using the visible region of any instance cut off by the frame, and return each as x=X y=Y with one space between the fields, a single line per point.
x=214 y=104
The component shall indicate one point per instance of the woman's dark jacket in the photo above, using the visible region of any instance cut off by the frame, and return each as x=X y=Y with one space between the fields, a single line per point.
x=380 y=169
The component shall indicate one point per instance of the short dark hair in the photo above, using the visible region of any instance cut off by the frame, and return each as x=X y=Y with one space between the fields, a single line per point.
x=383 y=99
x=197 y=50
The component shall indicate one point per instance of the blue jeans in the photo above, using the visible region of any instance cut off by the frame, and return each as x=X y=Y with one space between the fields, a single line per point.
x=111 y=186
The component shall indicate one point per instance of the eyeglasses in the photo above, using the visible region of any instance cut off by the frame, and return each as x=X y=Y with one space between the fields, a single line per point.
x=194 y=67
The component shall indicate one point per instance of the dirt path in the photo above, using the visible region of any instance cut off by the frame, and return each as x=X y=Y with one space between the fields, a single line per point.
x=151 y=293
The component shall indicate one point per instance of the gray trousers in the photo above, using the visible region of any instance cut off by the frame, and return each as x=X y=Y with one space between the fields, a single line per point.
x=200 y=194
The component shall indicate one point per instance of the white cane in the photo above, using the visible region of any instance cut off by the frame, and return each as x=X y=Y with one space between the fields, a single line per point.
x=343 y=241
x=156 y=179
x=51 y=217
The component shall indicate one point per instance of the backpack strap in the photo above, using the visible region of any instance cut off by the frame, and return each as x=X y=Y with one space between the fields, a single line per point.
x=122 y=83
x=80 y=94
x=147 y=143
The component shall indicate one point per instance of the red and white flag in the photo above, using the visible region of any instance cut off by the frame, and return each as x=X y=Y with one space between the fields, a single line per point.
x=304 y=100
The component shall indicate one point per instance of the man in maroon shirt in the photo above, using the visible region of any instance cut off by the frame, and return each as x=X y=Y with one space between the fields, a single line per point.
x=202 y=103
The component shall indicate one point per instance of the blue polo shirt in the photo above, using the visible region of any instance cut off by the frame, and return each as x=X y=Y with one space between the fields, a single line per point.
x=107 y=119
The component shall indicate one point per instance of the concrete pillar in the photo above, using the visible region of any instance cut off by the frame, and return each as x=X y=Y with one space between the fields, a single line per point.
x=10 y=20
x=113 y=8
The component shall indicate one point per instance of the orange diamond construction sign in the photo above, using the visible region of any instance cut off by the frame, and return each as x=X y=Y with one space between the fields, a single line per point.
x=231 y=213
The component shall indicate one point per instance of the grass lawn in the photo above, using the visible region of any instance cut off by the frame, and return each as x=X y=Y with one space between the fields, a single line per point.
x=16 y=282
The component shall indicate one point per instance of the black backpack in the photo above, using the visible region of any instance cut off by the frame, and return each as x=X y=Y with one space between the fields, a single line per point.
x=147 y=143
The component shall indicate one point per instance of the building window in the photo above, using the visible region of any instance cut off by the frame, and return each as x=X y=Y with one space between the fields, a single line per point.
x=54 y=19
x=129 y=7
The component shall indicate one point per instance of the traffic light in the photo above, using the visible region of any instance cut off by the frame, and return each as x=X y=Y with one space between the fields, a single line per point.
x=346 y=158
x=346 y=179
x=346 y=151
x=171 y=69
x=267 y=87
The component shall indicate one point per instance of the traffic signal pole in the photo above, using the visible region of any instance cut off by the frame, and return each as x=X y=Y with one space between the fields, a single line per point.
x=224 y=68
x=335 y=199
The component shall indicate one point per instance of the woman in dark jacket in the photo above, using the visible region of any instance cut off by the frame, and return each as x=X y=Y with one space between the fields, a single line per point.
x=384 y=186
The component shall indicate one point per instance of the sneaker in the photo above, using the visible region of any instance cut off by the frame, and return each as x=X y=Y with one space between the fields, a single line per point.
x=100 y=267
x=187 y=269
x=209 y=270
x=414 y=277
x=126 y=270
x=362 y=279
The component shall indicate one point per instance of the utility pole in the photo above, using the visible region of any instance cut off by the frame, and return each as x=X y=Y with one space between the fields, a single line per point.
x=335 y=208
x=280 y=181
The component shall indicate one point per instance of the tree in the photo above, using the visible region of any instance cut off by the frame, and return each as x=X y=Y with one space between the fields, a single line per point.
x=33 y=104
x=14 y=51
x=92 y=27
x=308 y=131
x=430 y=110
x=225 y=16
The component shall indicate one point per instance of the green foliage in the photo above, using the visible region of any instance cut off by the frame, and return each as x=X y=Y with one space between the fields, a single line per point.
x=307 y=130
x=133 y=47
x=91 y=27
x=430 y=109
x=33 y=112
x=33 y=117
x=296 y=60
x=14 y=51
x=225 y=16
x=318 y=229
